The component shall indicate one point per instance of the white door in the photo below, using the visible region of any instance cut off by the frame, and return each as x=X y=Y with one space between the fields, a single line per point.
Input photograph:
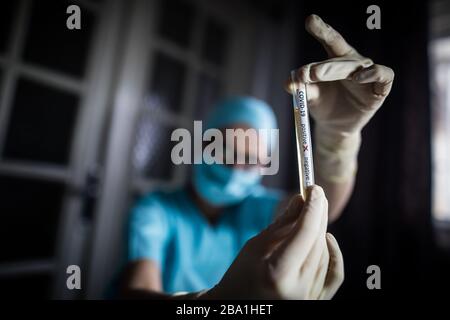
x=54 y=87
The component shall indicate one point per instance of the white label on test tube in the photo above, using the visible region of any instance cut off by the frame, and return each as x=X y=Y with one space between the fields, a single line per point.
x=303 y=130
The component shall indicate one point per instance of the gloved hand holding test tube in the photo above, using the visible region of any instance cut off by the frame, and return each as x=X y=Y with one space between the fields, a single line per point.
x=303 y=135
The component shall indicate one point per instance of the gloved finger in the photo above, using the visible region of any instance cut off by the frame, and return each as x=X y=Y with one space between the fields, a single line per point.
x=271 y=236
x=291 y=254
x=334 y=44
x=335 y=274
x=382 y=78
x=309 y=268
x=313 y=90
x=331 y=70
x=321 y=274
x=276 y=240
x=292 y=211
x=284 y=224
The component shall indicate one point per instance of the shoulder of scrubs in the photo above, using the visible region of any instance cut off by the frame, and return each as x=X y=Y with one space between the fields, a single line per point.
x=149 y=229
x=262 y=203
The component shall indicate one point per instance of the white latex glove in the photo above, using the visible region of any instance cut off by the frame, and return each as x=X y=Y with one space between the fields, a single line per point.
x=294 y=258
x=344 y=92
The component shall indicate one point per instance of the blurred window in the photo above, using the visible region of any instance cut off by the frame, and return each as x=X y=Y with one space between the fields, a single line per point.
x=440 y=50
x=34 y=134
x=208 y=92
x=6 y=18
x=52 y=46
x=186 y=76
x=176 y=21
x=28 y=286
x=42 y=68
x=31 y=209
x=152 y=149
x=215 y=44
x=168 y=81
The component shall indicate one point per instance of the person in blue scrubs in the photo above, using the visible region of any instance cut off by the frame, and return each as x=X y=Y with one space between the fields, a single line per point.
x=186 y=239
x=218 y=232
x=193 y=234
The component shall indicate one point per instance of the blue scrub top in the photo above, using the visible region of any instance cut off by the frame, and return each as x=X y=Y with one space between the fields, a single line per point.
x=193 y=254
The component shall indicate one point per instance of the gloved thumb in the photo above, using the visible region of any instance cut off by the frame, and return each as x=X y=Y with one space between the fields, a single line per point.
x=269 y=238
x=293 y=209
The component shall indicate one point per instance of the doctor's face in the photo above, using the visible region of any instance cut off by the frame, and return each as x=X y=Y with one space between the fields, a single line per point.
x=243 y=147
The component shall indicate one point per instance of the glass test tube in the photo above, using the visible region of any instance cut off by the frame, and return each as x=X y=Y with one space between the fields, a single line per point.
x=303 y=135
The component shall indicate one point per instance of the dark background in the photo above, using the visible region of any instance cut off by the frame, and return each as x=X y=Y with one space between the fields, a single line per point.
x=388 y=219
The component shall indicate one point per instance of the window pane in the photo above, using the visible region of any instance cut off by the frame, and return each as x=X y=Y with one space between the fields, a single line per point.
x=167 y=82
x=41 y=124
x=29 y=211
x=51 y=44
x=7 y=16
x=26 y=287
x=208 y=93
x=151 y=154
x=440 y=54
x=176 y=20
x=215 y=44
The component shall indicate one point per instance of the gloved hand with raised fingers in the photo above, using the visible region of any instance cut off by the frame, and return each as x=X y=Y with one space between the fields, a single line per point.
x=344 y=92
x=294 y=258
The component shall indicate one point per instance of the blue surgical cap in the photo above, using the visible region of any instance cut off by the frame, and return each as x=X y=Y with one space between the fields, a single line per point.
x=242 y=109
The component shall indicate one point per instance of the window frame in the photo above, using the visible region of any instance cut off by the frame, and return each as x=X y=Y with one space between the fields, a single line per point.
x=93 y=90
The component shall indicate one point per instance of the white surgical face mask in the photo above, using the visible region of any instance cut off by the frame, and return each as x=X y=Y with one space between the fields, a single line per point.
x=222 y=185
